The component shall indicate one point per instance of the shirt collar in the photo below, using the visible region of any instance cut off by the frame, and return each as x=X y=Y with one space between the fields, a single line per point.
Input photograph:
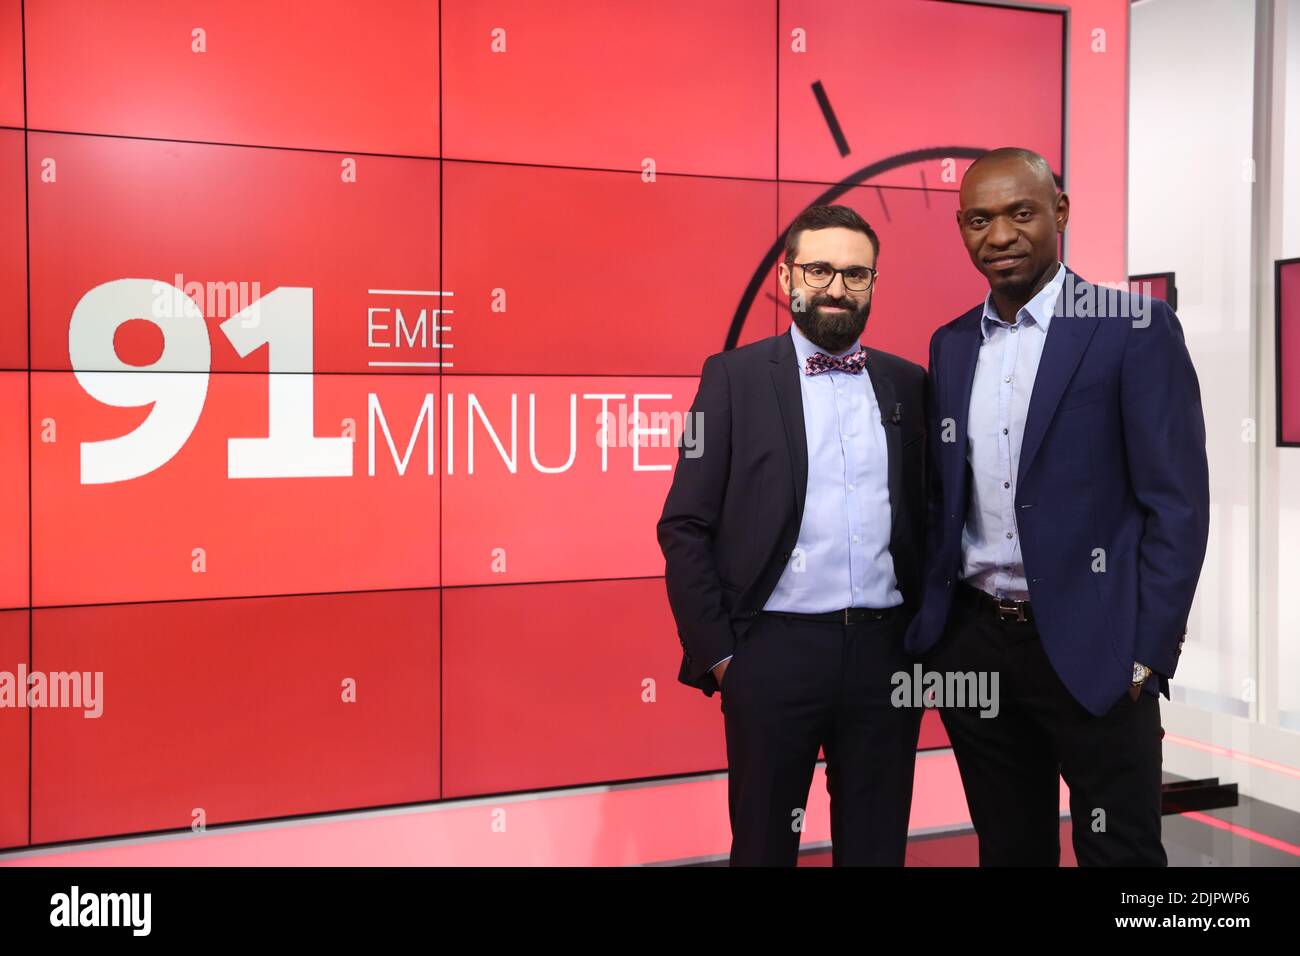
x=804 y=348
x=1038 y=309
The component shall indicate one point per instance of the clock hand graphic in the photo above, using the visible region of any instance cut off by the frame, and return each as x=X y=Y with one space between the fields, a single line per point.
x=833 y=192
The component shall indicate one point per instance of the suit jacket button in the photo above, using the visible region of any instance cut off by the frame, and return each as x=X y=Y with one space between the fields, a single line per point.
x=753 y=614
x=947 y=583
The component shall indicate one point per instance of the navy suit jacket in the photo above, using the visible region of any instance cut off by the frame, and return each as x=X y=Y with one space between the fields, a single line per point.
x=1112 y=458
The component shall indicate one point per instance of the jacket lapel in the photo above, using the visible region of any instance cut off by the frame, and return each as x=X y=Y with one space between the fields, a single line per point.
x=789 y=397
x=1067 y=338
x=886 y=398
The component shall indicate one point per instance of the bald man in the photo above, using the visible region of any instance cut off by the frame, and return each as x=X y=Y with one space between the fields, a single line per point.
x=1069 y=513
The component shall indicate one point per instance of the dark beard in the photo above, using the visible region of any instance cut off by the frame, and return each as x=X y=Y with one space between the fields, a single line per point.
x=1023 y=290
x=1019 y=291
x=831 y=333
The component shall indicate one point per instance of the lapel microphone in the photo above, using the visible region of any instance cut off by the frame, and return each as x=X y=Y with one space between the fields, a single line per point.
x=895 y=418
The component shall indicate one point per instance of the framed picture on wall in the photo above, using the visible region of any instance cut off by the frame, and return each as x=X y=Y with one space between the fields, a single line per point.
x=1286 y=302
x=1157 y=284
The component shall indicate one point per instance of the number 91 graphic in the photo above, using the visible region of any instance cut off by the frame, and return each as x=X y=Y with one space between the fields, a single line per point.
x=176 y=385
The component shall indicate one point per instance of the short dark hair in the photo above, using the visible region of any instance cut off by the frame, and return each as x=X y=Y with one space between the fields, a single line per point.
x=827 y=217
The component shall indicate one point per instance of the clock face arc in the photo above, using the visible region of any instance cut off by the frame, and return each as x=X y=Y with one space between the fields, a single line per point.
x=858 y=178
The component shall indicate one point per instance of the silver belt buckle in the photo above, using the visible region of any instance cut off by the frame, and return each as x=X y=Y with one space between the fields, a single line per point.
x=1014 y=607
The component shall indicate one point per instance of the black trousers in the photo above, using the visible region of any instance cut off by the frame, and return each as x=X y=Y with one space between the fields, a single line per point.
x=1011 y=764
x=793 y=686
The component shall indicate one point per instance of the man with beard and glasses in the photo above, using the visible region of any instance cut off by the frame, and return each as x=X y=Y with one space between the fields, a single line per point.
x=792 y=544
x=1068 y=525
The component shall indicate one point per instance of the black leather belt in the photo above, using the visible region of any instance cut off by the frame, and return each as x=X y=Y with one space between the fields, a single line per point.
x=848 y=615
x=1007 y=610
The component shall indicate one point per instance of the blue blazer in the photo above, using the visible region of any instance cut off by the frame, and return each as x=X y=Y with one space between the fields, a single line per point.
x=1112 y=457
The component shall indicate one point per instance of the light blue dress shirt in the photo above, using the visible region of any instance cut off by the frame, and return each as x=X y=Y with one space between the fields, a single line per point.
x=999 y=403
x=841 y=557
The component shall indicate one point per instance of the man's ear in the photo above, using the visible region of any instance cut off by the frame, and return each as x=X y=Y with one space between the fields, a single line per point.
x=1062 y=212
x=783 y=275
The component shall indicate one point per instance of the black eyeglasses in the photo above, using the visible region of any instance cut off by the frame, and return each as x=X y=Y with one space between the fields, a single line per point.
x=819 y=275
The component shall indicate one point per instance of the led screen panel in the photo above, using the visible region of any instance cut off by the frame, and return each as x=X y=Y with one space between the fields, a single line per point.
x=560 y=271
x=11 y=63
x=674 y=87
x=13 y=252
x=255 y=260
x=864 y=86
x=14 y=731
x=157 y=487
x=606 y=708
x=14 y=539
x=569 y=475
x=216 y=711
x=312 y=74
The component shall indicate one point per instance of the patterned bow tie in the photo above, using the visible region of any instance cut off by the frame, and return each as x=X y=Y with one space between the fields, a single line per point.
x=821 y=362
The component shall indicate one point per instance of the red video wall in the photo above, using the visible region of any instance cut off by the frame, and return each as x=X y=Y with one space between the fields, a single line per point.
x=343 y=352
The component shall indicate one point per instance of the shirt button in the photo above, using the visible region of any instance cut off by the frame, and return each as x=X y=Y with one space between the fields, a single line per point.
x=855 y=538
x=1014 y=327
x=1004 y=431
x=1009 y=534
x=1007 y=379
x=850 y=486
x=1006 y=484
